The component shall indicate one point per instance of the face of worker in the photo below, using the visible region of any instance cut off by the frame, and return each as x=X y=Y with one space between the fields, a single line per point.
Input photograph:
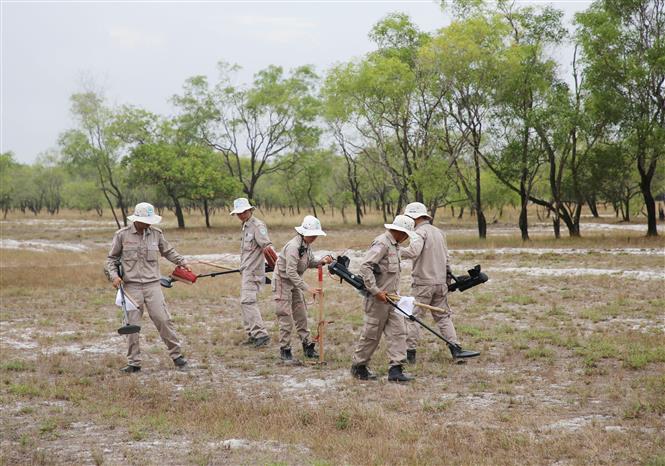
x=309 y=239
x=399 y=236
x=244 y=216
x=140 y=226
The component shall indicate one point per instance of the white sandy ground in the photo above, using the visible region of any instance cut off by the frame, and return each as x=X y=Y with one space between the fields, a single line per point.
x=567 y=251
x=41 y=245
x=546 y=229
x=568 y=272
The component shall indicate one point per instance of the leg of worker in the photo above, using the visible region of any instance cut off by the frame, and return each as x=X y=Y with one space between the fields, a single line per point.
x=300 y=314
x=443 y=319
x=282 y=298
x=422 y=294
x=395 y=332
x=251 y=315
x=134 y=318
x=376 y=315
x=156 y=307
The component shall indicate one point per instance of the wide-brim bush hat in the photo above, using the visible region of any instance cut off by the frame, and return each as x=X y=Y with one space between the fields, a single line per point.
x=144 y=213
x=311 y=226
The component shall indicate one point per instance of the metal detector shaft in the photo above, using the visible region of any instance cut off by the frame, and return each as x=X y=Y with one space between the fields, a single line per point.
x=417 y=320
x=124 y=304
x=214 y=274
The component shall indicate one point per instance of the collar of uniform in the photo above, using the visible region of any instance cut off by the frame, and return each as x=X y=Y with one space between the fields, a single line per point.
x=247 y=222
x=422 y=224
x=390 y=237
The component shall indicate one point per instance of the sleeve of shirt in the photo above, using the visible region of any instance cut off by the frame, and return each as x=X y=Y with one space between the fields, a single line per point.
x=373 y=256
x=313 y=261
x=169 y=252
x=114 y=257
x=261 y=236
x=291 y=259
x=447 y=254
x=414 y=249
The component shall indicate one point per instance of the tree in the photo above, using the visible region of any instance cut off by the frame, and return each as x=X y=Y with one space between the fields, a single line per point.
x=95 y=144
x=8 y=169
x=262 y=122
x=182 y=170
x=465 y=56
x=623 y=45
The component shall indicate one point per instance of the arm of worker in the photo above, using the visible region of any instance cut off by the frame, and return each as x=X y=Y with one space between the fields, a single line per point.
x=261 y=236
x=169 y=252
x=314 y=262
x=415 y=247
x=112 y=260
x=449 y=270
x=373 y=256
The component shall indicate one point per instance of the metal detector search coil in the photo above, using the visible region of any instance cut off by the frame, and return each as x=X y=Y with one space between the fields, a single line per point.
x=340 y=267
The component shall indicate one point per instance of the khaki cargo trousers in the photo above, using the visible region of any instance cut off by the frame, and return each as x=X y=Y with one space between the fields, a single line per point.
x=381 y=319
x=289 y=307
x=251 y=315
x=437 y=296
x=149 y=296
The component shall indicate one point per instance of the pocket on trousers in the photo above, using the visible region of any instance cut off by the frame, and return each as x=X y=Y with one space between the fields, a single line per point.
x=372 y=328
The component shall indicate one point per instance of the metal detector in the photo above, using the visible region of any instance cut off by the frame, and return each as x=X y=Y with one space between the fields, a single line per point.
x=340 y=266
x=167 y=282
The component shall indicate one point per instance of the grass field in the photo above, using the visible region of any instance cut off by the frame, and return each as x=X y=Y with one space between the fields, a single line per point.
x=572 y=371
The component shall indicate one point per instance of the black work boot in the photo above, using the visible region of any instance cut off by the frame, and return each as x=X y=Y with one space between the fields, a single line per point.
x=362 y=372
x=261 y=341
x=285 y=354
x=309 y=350
x=459 y=353
x=131 y=369
x=411 y=356
x=395 y=374
x=180 y=362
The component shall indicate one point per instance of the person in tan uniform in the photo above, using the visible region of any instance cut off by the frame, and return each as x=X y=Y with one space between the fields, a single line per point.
x=289 y=287
x=431 y=277
x=380 y=271
x=137 y=248
x=255 y=246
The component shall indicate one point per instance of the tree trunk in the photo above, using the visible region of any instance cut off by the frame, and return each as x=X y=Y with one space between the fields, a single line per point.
x=523 y=221
x=115 y=217
x=649 y=202
x=207 y=212
x=482 y=225
x=178 y=212
x=591 y=201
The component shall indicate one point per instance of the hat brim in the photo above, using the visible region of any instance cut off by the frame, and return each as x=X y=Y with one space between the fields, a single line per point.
x=304 y=232
x=153 y=220
x=390 y=226
x=240 y=211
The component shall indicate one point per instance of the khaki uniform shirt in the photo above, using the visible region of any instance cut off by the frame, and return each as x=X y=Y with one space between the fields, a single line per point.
x=429 y=253
x=139 y=254
x=381 y=268
x=291 y=265
x=254 y=240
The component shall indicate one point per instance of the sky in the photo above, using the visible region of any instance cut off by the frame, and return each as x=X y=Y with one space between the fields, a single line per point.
x=141 y=53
